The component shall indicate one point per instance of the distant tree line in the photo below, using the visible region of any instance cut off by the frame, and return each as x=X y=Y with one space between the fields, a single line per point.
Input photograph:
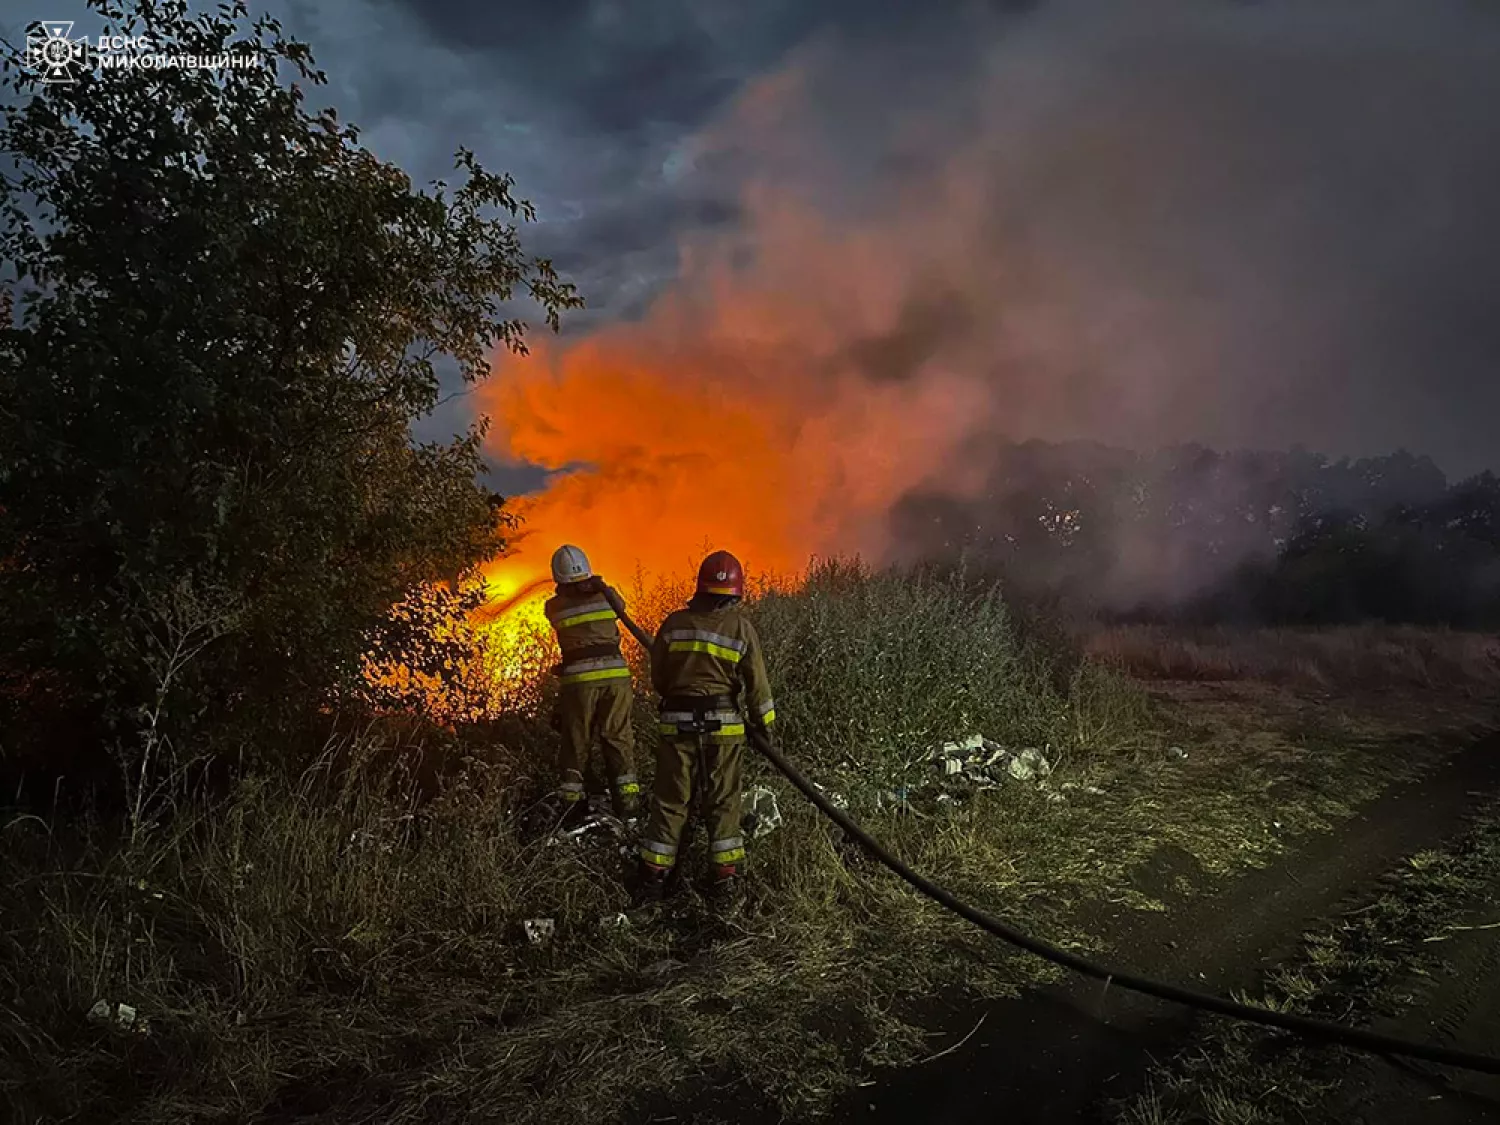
x=1190 y=534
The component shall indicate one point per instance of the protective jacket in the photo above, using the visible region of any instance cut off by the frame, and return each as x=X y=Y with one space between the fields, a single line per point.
x=703 y=655
x=585 y=616
x=595 y=701
x=708 y=667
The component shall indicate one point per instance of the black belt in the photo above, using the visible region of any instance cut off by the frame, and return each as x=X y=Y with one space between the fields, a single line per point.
x=698 y=703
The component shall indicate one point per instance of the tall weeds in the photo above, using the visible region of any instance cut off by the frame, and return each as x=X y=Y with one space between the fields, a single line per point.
x=349 y=938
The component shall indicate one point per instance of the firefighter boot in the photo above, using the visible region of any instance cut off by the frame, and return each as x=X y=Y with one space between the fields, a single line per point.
x=650 y=887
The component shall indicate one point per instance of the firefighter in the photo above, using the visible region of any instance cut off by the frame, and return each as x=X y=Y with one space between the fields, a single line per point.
x=595 y=698
x=708 y=667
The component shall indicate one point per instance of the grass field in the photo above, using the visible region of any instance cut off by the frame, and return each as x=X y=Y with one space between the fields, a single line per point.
x=346 y=941
x=1367 y=657
x=1352 y=970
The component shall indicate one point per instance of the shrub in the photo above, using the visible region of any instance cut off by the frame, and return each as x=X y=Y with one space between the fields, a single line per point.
x=229 y=314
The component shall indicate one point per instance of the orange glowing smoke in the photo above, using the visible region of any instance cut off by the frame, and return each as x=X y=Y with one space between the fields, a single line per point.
x=678 y=456
x=726 y=419
x=740 y=412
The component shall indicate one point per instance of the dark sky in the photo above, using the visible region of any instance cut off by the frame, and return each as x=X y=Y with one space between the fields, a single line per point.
x=1251 y=224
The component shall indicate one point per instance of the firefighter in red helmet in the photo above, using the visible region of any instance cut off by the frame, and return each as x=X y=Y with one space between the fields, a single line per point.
x=708 y=667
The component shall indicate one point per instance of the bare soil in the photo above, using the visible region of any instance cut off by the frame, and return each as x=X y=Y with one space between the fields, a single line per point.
x=1074 y=1051
x=1064 y=1054
x=1458 y=1005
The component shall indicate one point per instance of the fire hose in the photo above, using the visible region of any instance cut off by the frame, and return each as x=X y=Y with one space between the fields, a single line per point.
x=1318 y=1030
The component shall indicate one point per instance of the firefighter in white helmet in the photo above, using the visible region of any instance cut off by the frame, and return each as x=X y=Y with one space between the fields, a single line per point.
x=595 y=699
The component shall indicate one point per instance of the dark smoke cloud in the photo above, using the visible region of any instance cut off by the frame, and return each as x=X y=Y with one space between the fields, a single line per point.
x=1245 y=224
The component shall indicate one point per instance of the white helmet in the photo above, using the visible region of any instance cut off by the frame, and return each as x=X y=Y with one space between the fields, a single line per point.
x=569 y=564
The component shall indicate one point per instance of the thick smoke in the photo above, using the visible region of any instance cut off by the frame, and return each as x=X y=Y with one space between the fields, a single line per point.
x=1173 y=222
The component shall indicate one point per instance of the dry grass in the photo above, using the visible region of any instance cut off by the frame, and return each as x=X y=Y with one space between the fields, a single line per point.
x=340 y=948
x=1357 y=657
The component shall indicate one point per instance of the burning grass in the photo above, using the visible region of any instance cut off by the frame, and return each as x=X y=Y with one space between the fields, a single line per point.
x=336 y=946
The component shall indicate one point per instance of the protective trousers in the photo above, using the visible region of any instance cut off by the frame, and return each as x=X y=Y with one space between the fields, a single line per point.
x=599 y=710
x=677 y=765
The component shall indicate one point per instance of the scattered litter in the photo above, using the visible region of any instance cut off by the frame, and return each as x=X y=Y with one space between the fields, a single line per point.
x=762 y=814
x=1176 y=753
x=971 y=756
x=539 y=930
x=985 y=764
x=1028 y=765
x=122 y=1015
x=614 y=922
x=597 y=826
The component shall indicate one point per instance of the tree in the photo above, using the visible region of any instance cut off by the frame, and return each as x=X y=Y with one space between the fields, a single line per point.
x=229 y=313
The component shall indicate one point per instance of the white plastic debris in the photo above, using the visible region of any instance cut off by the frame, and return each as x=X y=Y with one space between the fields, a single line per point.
x=1176 y=753
x=762 y=814
x=1028 y=765
x=538 y=930
x=975 y=758
x=123 y=1015
x=595 y=825
x=964 y=748
x=614 y=922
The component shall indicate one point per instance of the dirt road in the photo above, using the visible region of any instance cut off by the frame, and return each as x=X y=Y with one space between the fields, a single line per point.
x=1064 y=1054
x=1458 y=1005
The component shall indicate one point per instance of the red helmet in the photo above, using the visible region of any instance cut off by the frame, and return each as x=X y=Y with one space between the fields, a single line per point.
x=721 y=573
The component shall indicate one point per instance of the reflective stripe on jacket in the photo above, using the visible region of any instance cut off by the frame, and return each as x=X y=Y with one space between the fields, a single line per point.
x=731 y=723
x=594 y=668
x=586 y=621
x=708 y=653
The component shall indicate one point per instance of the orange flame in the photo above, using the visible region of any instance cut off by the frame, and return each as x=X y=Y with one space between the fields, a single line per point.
x=659 y=454
x=740 y=413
